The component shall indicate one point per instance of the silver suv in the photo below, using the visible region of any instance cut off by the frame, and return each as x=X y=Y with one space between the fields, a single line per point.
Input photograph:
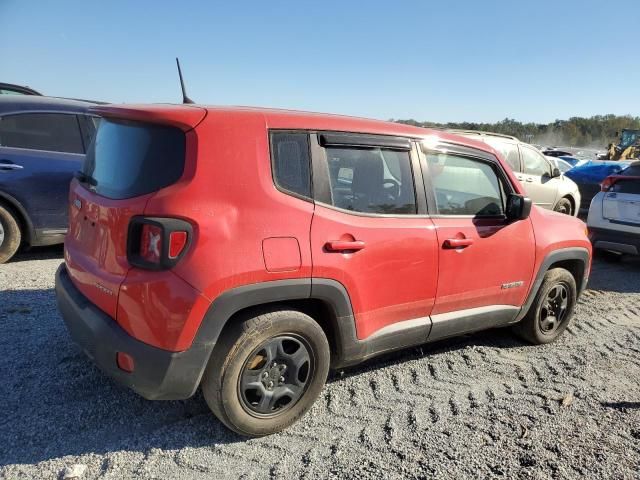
x=543 y=182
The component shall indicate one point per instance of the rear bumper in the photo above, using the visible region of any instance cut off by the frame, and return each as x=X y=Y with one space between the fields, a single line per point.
x=616 y=241
x=158 y=374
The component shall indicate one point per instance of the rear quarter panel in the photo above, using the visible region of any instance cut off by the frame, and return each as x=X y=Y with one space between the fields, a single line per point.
x=229 y=196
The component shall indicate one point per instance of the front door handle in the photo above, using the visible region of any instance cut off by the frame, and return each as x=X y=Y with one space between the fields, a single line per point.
x=529 y=179
x=344 y=246
x=457 y=242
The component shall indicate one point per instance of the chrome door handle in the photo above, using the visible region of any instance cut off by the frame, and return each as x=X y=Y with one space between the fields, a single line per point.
x=10 y=166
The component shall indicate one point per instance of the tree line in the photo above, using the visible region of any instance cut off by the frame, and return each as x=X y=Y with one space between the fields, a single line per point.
x=596 y=132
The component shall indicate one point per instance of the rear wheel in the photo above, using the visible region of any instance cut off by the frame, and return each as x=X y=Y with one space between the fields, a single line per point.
x=10 y=235
x=551 y=310
x=564 y=206
x=267 y=371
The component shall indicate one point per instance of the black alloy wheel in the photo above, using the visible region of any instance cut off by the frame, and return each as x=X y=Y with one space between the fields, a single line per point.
x=275 y=375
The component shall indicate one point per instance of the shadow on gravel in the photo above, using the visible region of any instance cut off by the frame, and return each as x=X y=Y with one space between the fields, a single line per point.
x=39 y=253
x=57 y=403
x=501 y=338
x=623 y=406
x=606 y=274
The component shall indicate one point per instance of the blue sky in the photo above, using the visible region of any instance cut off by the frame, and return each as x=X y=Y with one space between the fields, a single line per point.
x=441 y=61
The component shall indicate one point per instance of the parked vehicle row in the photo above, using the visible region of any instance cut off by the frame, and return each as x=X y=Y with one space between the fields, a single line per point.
x=43 y=142
x=542 y=180
x=590 y=175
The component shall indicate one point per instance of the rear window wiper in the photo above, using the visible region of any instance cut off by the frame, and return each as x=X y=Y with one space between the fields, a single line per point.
x=84 y=178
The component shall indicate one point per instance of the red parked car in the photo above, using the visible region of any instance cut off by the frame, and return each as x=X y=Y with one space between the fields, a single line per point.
x=248 y=251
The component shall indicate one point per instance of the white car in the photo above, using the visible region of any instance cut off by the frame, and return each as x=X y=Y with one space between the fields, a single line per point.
x=542 y=180
x=614 y=214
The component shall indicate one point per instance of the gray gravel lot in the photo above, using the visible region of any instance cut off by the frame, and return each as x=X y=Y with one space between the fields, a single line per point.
x=479 y=406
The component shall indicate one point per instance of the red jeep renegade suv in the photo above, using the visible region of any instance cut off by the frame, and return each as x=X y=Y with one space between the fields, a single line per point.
x=247 y=251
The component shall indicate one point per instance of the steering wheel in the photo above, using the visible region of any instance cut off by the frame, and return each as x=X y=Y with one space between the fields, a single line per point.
x=392 y=187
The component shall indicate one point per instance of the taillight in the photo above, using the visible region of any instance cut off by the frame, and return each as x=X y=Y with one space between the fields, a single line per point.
x=177 y=242
x=607 y=183
x=157 y=243
x=151 y=243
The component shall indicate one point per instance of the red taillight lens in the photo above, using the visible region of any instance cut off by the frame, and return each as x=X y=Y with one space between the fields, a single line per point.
x=151 y=243
x=157 y=243
x=177 y=242
x=607 y=183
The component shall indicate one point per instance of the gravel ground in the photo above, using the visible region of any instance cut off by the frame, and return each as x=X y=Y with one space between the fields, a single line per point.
x=479 y=406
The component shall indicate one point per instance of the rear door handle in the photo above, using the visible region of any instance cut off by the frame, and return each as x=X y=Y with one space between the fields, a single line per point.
x=529 y=179
x=342 y=245
x=457 y=242
x=7 y=166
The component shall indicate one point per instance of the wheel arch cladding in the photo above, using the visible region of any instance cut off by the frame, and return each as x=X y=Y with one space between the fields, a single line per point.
x=326 y=301
x=573 y=259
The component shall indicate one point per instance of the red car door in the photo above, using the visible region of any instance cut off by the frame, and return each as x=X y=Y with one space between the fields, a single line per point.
x=485 y=261
x=369 y=232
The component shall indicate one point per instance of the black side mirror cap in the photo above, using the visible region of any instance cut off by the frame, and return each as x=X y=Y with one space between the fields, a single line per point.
x=555 y=172
x=518 y=207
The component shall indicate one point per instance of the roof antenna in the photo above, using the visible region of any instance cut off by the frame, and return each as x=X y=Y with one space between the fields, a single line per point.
x=185 y=99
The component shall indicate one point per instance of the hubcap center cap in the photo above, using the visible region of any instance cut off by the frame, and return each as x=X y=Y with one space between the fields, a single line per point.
x=273 y=376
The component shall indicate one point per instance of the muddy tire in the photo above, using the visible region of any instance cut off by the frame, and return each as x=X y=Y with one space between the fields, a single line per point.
x=266 y=371
x=551 y=310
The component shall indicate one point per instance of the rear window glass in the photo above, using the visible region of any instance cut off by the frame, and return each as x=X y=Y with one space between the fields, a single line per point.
x=129 y=159
x=290 y=153
x=53 y=132
x=623 y=185
x=508 y=150
x=631 y=171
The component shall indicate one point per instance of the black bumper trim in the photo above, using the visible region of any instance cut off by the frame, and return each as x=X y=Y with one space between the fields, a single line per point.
x=158 y=374
x=614 y=240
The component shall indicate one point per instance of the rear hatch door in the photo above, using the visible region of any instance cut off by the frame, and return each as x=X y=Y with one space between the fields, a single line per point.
x=129 y=160
x=622 y=202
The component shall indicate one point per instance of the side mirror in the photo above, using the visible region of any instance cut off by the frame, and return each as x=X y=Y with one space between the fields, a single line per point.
x=555 y=172
x=518 y=207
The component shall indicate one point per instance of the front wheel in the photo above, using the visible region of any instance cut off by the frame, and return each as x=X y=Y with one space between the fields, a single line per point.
x=552 y=308
x=564 y=206
x=266 y=371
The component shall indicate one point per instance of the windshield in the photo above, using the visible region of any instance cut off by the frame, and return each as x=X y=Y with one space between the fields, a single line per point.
x=628 y=138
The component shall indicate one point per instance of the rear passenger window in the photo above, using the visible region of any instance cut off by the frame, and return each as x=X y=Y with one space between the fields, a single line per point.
x=54 y=132
x=534 y=162
x=465 y=186
x=371 y=180
x=290 y=153
x=508 y=150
